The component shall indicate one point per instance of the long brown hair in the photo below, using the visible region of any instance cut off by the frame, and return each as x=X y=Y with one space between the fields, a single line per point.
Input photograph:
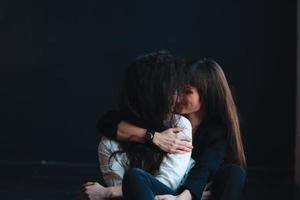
x=146 y=101
x=217 y=103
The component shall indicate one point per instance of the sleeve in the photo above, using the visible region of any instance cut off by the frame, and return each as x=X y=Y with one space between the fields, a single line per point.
x=107 y=124
x=112 y=169
x=208 y=162
x=174 y=166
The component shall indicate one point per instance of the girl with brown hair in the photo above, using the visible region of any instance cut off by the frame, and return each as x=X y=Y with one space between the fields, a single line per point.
x=218 y=155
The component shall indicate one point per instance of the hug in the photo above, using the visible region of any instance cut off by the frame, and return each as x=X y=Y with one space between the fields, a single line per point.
x=176 y=134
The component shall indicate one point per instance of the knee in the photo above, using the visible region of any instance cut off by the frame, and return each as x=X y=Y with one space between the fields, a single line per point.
x=133 y=175
x=134 y=172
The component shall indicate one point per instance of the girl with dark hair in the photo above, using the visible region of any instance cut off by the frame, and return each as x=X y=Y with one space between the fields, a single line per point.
x=147 y=100
x=218 y=153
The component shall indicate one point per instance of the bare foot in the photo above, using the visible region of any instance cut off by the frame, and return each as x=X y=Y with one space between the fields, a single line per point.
x=93 y=191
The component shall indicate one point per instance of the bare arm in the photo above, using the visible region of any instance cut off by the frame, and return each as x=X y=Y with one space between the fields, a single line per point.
x=168 y=140
x=112 y=125
x=129 y=132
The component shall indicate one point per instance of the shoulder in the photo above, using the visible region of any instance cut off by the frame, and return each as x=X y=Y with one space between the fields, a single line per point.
x=182 y=120
x=184 y=123
x=107 y=143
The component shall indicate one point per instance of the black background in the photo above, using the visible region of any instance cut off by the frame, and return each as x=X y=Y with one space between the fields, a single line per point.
x=62 y=62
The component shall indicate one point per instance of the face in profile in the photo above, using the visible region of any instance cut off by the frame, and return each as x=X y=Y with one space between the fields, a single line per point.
x=188 y=101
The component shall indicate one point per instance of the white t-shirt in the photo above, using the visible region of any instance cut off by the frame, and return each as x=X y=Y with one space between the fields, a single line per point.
x=172 y=169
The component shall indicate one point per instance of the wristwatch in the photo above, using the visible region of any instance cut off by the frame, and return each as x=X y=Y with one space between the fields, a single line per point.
x=149 y=136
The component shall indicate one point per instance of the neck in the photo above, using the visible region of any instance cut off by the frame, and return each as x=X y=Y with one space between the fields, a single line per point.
x=195 y=120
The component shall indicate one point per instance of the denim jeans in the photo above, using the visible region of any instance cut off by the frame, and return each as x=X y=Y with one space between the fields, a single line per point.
x=228 y=184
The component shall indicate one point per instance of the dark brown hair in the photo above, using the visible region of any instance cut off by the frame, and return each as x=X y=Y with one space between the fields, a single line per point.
x=217 y=103
x=146 y=101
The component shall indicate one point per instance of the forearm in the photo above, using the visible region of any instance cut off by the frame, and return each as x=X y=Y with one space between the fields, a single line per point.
x=168 y=140
x=129 y=132
x=115 y=191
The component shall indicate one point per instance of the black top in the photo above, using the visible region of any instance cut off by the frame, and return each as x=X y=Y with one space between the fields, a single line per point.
x=210 y=144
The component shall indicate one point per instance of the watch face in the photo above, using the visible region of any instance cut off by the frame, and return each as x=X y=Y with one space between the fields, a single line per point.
x=149 y=136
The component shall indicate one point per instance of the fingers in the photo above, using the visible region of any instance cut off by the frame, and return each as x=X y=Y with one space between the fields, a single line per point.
x=84 y=187
x=176 y=129
x=183 y=150
x=184 y=144
x=173 y=143
x=184 y=138
x=180 y=147
x=88 y=183
x=177 y=151
x=169 y=133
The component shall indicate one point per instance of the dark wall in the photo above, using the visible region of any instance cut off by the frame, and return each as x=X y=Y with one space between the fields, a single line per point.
x=63 y=61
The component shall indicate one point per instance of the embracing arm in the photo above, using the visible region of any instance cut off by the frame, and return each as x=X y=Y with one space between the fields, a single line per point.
x=112 y=126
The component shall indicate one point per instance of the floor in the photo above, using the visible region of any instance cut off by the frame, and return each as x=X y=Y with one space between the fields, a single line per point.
x=63 y=182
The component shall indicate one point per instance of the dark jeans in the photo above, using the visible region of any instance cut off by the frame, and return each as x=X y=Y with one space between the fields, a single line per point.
x=228 y=184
